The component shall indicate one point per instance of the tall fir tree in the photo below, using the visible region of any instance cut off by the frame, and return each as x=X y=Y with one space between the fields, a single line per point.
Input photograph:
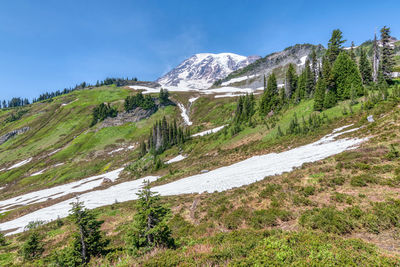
x=335 y=45
x=319 y=96
x=352 y=53
x=310 y=81
x=345 y=74
x=269 y=100
x=89 y=241
x=150 y=228
x=387 y=61
x=314 y=65
x=365 y=68
x=290 y=81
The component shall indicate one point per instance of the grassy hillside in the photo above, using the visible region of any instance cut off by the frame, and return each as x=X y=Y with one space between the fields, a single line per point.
x=343 y=210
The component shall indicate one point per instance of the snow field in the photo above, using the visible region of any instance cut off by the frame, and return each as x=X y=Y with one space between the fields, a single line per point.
x=242 y=173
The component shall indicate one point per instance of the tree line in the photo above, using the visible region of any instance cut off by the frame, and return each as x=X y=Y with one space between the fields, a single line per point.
x=19 y=102
x=164 y=135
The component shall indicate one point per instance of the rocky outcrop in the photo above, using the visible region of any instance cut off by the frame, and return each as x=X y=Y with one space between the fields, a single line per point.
x=133 y=115
x=130 y=116
x=7 y=136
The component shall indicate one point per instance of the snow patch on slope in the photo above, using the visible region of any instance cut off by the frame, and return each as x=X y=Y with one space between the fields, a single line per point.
x=19 y=164
x=176 y=159
x=242 y=173
x=217 y=129
x=58 y=191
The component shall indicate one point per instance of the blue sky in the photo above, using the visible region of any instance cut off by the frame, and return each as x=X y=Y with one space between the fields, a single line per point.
x=48 y=45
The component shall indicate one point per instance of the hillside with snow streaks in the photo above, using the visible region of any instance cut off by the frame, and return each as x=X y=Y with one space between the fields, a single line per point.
x=201 y=70
x=242 y=173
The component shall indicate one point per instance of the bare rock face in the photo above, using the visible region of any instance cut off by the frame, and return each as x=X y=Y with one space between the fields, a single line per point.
x=7 y=136
x=201 y=70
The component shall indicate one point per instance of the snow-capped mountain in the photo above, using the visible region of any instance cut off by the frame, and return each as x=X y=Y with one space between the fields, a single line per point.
x=201 y=70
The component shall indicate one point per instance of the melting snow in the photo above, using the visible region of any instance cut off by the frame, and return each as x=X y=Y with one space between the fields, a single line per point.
x=238 y=79
x=184 y=114
x=302 y=61
x=19 y=164
x=176 y=159
x=209 y=131
x=58 y=191
x=38 y=173
x=242 y=173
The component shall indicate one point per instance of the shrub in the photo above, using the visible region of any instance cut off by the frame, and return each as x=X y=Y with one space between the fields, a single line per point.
x=265 y=218
x=393 y=153
x=362 y=180
x=269 y=190
x=327 y=219
x=308 y=191
x=2 y=240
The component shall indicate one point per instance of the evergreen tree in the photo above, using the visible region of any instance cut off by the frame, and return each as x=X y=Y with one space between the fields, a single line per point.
x=330 y=99
x=365 y=68
x=310 y=79
x=314 y=65
x=290 y=81
x=335 y=46
x=89 y=240
x=319 y=94
x=103 y=111
x=150 y=227
x=269 y=100
x=352 y=54
x=387 y=61
x=301 y=88
x=33 y=247
x=244 y=109
x=143 y=149
x=164 y=94
x=345 y=74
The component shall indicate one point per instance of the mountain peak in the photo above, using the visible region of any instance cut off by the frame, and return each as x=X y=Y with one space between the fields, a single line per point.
x=201 y=70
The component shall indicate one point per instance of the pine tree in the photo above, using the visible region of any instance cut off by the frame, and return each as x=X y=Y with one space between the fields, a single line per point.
x=330 y=99
x=33 y=247
x=387 y=61
x=143 y=149
x=352 y=54
x=314 y=65
x=269 y=100
x=150 y=228
x=319 y=94
x=365 y=68
x=345 y=74
x=301 y=88
x=89 y=240
x=290 y=81
x=310 y=79
x=335 y=45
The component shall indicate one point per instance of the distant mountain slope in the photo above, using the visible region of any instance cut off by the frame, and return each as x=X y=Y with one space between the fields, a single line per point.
x=200 y=71
x=252 y=74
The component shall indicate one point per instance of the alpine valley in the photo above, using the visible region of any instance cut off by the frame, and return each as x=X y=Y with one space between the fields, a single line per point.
x=291 y=158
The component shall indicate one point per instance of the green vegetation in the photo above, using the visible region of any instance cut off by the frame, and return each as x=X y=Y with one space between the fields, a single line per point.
x=103 y=111
x=138 y=100
x=150 y=228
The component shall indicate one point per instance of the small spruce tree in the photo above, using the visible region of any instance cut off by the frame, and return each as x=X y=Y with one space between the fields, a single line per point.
x=33 y=247
x=89 y=240
x=150 y=228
